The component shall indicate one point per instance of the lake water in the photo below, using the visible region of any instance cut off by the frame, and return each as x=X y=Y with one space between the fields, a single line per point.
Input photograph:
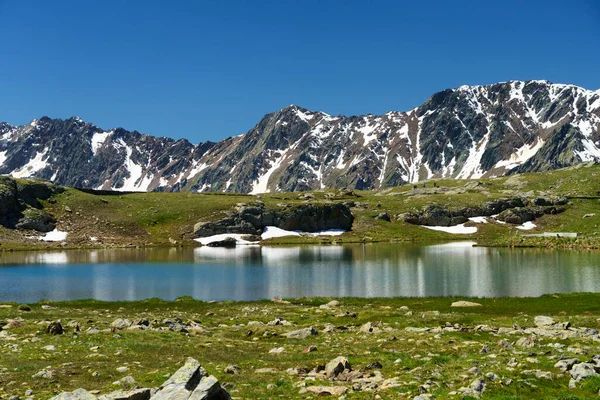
x=250 y=273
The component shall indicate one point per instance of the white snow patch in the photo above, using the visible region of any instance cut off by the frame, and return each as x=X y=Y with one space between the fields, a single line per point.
x=261 y=184
x=479 y=220
x=274 y=232
x=526 y=226
x=457 y=229
x=98 y=140
x=472 y=167
x=204 y=187
x=368 y=132
x=217 y=238
x=93 y=239
x=522 y=154
x=304 y=116
x=2 y=157
x=131 y=184
x=54 y=236
x=34 y=165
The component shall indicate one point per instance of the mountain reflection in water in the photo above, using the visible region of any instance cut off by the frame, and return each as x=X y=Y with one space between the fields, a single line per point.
x=253 y=272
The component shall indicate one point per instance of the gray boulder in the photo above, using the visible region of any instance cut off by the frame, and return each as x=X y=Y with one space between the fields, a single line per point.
x=582 y=371
x=135 y=394
x=209 y=388
x=301 y=333
x=182 y=383
x=78 y=394
x=336 y=367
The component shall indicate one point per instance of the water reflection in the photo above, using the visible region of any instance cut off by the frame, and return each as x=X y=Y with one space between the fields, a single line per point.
x=247 y=273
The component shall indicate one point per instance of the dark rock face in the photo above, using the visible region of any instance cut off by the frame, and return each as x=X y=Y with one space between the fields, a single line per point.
x=20 y=205
x=37 y=220
x=252 y=219
x=467 y=132
x=55 y=328
x=227 y=242
x=511 y=210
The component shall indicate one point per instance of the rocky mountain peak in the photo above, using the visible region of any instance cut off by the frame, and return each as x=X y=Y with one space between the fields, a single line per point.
x=465 y=132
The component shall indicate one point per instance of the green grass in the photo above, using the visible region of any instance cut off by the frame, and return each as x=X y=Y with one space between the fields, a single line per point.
x=151 y=356
x=158 y=219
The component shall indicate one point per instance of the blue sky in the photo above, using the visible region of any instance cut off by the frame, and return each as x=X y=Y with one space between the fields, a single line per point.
x=206 y=70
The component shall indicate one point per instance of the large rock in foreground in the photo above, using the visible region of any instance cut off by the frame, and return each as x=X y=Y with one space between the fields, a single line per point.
x=190 y=382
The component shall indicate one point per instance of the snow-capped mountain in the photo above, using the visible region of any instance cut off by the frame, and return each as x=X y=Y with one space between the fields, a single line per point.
x=468 y=132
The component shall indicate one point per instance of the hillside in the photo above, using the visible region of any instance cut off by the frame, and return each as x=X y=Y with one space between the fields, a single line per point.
x=468 y=132
x=100 y=219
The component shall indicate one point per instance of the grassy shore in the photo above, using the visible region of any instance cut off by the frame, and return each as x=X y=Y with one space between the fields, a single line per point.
x=482 y=343
x=164 y=219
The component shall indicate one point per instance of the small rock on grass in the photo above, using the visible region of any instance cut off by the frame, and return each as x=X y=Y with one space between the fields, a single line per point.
x=325 y=390
x=463 y=303
x=55 y=328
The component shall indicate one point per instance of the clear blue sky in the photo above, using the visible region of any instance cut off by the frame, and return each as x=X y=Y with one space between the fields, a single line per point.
x=206 y=70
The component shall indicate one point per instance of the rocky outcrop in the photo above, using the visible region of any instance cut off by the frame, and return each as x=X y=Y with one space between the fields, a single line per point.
x=190 y=382
x=253 y=218
x=20 y=205
x=512 y=210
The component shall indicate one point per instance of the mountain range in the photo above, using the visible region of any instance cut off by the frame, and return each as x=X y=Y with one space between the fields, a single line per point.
x=467 y=132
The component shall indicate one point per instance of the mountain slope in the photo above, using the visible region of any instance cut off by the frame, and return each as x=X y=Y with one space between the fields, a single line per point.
x=468 y=132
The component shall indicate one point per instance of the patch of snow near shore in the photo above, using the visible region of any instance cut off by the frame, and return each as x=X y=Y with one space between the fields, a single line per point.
x=526 y=226
x=478 y=220
x=275 y=232
x=457 y=229
x=54 y=236
x=216 y=238
x=269 y=232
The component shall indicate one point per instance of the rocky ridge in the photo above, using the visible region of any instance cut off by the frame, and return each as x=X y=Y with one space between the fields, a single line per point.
x=467 y=132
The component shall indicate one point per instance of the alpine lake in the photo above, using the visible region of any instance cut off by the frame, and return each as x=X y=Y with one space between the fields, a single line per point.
x=254 y=272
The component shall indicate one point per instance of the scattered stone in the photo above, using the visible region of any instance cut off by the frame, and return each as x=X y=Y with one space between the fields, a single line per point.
x=24 y=307
x=135 y=394
x=336 y=367
x=47 y=307
x=265 y=370
x=78 y=394
x=55 y=328
x=49 y=348
x=122 y=369
x=375 y=365
x=309 y=349
x=301 y=333
x=44 y=374
x=121 y=324
x=463 y=303
x=270 y=386
x=326 y=390
x=276 y=351
x=542 y=321
x=582 y=371
x=566 y=365
x=232 y=369
x=526 y=342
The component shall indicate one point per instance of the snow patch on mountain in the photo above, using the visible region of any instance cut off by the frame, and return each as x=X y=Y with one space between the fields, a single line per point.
x=261 y=184
x=2 y=157
x=521 y=155
x=98 y=140
x=34 y=165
